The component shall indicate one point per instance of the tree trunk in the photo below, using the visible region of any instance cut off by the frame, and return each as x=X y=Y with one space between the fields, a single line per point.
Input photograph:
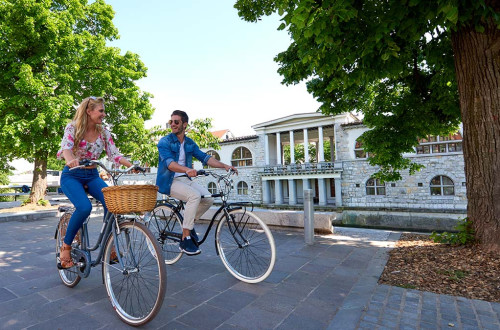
x=477 y=66
x=39 y=184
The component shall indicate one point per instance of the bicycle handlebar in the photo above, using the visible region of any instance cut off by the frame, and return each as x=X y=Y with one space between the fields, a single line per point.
x=115 y=174
x=89 y=162
x=212 y=173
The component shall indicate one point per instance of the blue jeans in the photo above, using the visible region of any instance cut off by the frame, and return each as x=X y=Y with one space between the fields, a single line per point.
x=72 y=183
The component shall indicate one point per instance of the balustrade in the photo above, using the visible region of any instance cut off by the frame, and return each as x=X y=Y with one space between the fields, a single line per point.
x=322 y=167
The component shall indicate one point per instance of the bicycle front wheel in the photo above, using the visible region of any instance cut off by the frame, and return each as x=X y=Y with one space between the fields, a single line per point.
x=246 y=246
x=166 y=226
x=136 y=286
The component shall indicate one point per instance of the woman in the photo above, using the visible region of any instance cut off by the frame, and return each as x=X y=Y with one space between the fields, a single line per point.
x=84 y=138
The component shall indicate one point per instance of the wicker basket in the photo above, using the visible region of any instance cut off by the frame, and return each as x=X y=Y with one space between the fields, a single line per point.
x=130 y=198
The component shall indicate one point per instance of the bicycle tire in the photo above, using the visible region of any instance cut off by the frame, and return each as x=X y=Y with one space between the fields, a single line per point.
x=249 y=253
x=164 y=219
x=137 y=290
x=70 y=276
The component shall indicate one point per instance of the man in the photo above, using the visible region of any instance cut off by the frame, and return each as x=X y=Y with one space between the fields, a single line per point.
x=176 y=158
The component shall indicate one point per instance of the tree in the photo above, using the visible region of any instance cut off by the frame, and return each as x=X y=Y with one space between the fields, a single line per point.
x=146 y=149
x=413 y=68
x=299 y=153
x=53 y=54
x=5 y=171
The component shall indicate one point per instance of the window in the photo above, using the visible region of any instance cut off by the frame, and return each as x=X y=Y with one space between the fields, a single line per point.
x=440 y=144
x=242 y=188
x=241 y=157
x=359 y=152
x=375 y=187
x=212 y=188
x=214 y=154
x=442 y=186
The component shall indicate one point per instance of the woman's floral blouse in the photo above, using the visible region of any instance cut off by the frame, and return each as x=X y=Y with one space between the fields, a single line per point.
x=90 y=150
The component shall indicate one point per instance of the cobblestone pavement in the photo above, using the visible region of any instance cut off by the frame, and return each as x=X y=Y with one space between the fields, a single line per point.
x=329 y=285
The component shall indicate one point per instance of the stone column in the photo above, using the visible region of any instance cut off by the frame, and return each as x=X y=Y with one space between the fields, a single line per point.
x=292 y=192
x=338 y=192
x=278 y=192
x=306 y=146
x=278 y=148
x=333 y=150
x=266 y=149
x=321 y=151
x=292 y=148
x=322 y=191
x=266 y=192
x=306 y=184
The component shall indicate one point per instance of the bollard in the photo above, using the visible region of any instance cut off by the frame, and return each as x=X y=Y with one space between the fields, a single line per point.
x=308 y=217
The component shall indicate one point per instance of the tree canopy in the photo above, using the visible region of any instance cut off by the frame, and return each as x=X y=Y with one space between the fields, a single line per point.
x=53 y=54
x=390 y=60
x=146 y=149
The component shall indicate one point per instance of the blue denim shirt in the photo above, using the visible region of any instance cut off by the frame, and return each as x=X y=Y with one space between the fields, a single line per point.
x=169 y=148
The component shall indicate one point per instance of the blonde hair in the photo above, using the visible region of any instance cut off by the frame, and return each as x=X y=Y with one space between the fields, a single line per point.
x=80 y=119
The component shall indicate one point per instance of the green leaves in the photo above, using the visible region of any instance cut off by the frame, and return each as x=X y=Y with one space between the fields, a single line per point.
x=145 y=148
x=450 y=13
x=391 y=60
x=52 y=55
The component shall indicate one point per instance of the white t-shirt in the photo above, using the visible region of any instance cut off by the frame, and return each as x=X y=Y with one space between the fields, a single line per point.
x=182 y=159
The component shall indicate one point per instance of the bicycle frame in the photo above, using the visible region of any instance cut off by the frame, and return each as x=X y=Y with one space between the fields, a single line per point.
x=110 y=226
x=225 y=208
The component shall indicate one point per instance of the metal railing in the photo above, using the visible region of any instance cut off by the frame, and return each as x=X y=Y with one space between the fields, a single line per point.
x=305 y=168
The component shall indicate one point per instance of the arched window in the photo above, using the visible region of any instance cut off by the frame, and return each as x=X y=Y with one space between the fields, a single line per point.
x=375 y=187
x=432 y=144
x=242 y=188
x=442 y=185
x=214 y=154
x=359 y=152
x=241 y=157
x=212 y=188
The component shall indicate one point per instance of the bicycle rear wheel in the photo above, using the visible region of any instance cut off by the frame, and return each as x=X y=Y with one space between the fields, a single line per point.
x=246 y=246
x=137 y=288
x=164 y=224
x=70 y=276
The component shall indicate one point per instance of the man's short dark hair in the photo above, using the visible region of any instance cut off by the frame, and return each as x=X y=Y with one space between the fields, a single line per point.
x=182 y=114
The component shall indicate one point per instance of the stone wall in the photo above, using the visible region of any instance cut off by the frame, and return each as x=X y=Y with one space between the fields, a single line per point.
x=410 y=219
x=413 y=191
x=246 y=174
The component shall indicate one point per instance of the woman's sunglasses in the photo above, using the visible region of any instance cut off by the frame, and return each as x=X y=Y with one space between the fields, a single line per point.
x=94 y=99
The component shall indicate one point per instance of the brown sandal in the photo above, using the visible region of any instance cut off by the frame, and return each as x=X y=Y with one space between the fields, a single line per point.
x=65 y=262
x=113 y=258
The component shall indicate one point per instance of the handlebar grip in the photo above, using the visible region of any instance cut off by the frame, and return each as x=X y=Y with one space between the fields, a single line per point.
x=84 y=162
x=140 y=169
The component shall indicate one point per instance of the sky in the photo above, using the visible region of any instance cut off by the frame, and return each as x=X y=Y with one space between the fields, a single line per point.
x=203 y=59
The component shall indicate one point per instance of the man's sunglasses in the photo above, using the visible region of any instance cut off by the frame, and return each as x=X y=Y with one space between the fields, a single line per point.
x=175 y=121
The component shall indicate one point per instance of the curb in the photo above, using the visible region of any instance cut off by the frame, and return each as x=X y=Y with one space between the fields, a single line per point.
x=27 y=216
x=39 y=215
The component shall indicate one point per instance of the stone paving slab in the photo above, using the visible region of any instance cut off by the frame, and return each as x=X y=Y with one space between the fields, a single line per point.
x=329 y=285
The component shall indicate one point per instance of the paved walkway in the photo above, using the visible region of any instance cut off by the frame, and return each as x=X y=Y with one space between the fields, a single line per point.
x=329 y=285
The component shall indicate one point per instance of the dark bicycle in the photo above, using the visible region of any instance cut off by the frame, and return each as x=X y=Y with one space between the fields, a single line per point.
x=242 y=240
x=136 y=281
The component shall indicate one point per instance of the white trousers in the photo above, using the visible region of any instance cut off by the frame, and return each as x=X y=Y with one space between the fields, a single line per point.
x=190 y=192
